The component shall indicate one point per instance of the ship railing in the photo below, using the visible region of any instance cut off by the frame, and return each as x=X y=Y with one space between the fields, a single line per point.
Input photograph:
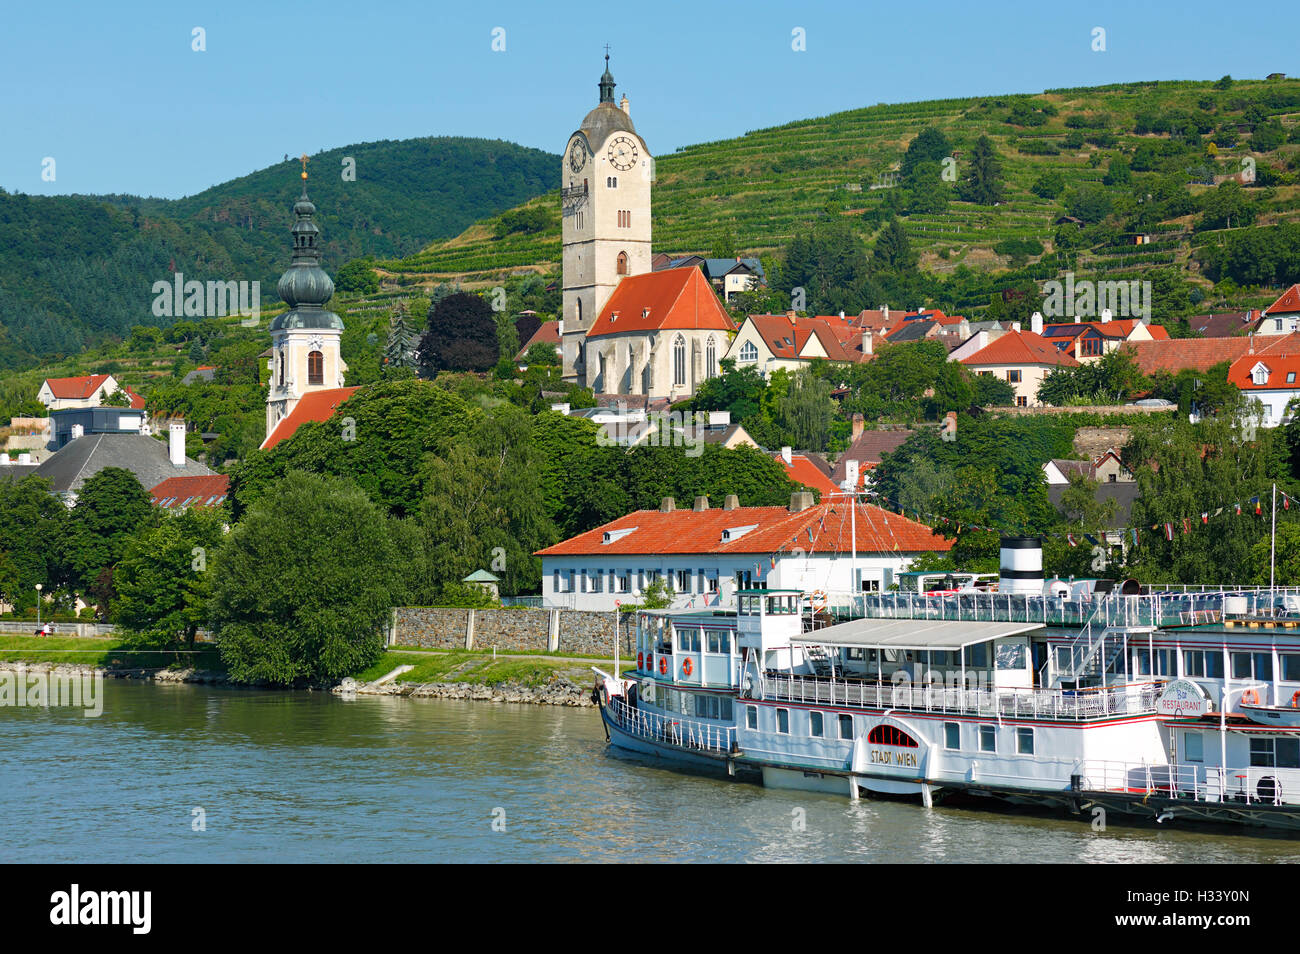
x=673 y=730
x=1159 y=607
x=1254 y=785
x=1073 y=705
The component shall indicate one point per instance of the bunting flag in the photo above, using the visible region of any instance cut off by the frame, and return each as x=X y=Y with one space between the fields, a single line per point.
x=1205 y=516
x=1286 y=502
x=1070 y=537
x=1255 y=501
x=1169 y=531
x=1091 y=539
x=1135 y=537
x=1238 y=506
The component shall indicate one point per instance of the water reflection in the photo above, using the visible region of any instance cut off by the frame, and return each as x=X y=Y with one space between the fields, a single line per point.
x=307 y=776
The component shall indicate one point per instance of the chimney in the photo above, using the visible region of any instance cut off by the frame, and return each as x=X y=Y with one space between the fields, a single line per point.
x=884 y=313
x=787 y=454
x=800 y=500
x=623 y=105
x=1250 y=349
x=560 y=327
x=701 y=503
x=857 y=426
x=176 y=443
x=790 y=314
x=1036 y=323
x=1106 y=316
x=732 y=502
x=841 y=314
x=668 y=505
x=866 y=341
x=851 y=472
x=950 y=424
x=1015 y=326
x=78 y=430
x=963 y=329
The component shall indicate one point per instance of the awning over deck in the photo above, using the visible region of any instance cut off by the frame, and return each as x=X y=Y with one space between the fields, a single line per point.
x=912 y=633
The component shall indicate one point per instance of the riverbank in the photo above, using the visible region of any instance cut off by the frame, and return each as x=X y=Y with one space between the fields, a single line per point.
x=421 y=674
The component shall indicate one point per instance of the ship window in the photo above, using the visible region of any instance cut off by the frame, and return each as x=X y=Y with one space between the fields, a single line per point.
x=988 y=738
x=1141 y=662
x=952 y=735
x=751 y=717
x=1193 y=747
x=1291 y=667
x=816 y=724
x=1264 y=666
x=1261 y=753
x=1241 y=665
x=783 y=721
x=1198 y=662
x=1275 y=753
x=1025 y=741
x=889 y=735
x=846 y=726
x=719 y=641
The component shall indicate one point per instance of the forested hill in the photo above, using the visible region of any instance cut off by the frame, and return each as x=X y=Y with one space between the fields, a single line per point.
x=77 y=269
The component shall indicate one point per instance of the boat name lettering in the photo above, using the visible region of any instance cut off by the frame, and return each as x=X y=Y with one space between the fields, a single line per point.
x=906 y=759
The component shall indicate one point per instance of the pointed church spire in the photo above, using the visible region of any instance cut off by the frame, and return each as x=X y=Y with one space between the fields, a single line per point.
x=607 y=81
x=305 y=287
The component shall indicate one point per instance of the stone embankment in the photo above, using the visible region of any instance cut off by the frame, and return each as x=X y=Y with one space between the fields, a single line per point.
x=204 y=676
x=561 y=692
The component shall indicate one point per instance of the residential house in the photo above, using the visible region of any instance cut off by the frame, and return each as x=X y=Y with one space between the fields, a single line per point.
x=707 y=553
x=1269 y=377
x=150 y=460
x=808 y=469
x=1021 y=358
x=547 y=333
x=790 y=342
x=1283 y=316
x=87 y=391
x=864 y=454
x=1107 y=468
x=178 y=493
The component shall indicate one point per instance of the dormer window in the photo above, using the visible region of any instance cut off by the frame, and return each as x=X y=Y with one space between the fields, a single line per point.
x=1259 y=374
x=735 y=533
x=613 y=535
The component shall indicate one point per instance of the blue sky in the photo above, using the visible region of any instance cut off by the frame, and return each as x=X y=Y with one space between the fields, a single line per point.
x=117 y=96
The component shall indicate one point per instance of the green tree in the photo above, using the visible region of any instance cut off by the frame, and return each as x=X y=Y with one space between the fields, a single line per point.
x=806 y=411
x=399 y=349
x=357 y=277
x=33 y=528
x=927 y=192
x=893 y=250
x=302 y=586
x=983 y=185
x=658 y=594
x=461 y=336
x=724 y=244
x=111 y=507
x=162 y=580
x=1049 y=185
x=930 y=145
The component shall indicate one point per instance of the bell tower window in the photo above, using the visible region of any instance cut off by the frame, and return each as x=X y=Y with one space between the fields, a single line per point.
x=315 y=368
x=622 y=263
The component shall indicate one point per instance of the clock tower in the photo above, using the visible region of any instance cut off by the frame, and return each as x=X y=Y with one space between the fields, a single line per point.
x=606 y=175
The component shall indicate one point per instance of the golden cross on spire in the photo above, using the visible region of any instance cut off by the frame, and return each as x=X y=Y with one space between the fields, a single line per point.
x=304 y=165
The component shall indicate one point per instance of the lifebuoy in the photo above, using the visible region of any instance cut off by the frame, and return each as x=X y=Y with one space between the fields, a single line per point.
x=1295 y=700
x=819 y=599
x=640 y=661
x=1250 y=698
x=663 y=666
x=687 y=666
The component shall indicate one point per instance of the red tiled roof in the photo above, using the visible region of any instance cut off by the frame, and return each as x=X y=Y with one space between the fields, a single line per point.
x=1020 y=347
x=75 y=389
x=137 y=402
x=1279 y=364
x=656 y=301
x=314 y=406
x=1287 y=304
x=775 y=529
x=547 y=333
x=1175 y=354
x=192 y=491
x=867 y=451
x=803 y=471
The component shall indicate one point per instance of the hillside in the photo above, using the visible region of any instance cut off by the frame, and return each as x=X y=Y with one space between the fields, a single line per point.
x=766 y=185
x=78 y=270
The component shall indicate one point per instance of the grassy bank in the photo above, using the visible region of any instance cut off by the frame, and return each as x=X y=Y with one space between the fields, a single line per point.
x=105 y=653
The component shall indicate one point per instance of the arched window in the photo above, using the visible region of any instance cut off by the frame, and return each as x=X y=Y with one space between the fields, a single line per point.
x=710 y=358
x=679 y=362
x=749 y=351
x=889 y=735
x=315 y=368
x=579 y=304
x=282 y=367
x=622 y=263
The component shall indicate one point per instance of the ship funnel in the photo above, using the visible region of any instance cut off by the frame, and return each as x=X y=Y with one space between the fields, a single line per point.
x=1022 y=566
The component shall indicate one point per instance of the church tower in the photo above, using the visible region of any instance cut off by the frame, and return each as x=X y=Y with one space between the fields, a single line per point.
x=305 y=340
x=606 y=176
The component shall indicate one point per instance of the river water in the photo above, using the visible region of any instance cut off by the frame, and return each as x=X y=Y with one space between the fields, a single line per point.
x=273 y=776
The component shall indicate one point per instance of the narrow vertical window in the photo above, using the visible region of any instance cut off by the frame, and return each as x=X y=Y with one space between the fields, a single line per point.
x=315 y=368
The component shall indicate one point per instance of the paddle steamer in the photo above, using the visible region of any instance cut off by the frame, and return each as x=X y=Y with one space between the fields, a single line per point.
x=1163 y=702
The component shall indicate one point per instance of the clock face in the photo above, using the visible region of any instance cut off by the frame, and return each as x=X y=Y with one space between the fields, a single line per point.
x=577 y=155
x=622 y=153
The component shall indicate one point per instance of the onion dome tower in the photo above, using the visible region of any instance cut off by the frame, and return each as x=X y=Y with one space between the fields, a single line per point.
x=305 y=340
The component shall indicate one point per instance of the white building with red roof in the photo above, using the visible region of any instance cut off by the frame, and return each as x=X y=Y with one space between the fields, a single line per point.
x=707 y=553
x=90 y=390
x=1271 y=377
x=1022 y=359
x=1283 y=316
x=775 y=342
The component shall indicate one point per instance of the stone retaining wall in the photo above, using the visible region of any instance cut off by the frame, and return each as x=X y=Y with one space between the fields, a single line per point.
x=26 y=627
x=515 y=629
